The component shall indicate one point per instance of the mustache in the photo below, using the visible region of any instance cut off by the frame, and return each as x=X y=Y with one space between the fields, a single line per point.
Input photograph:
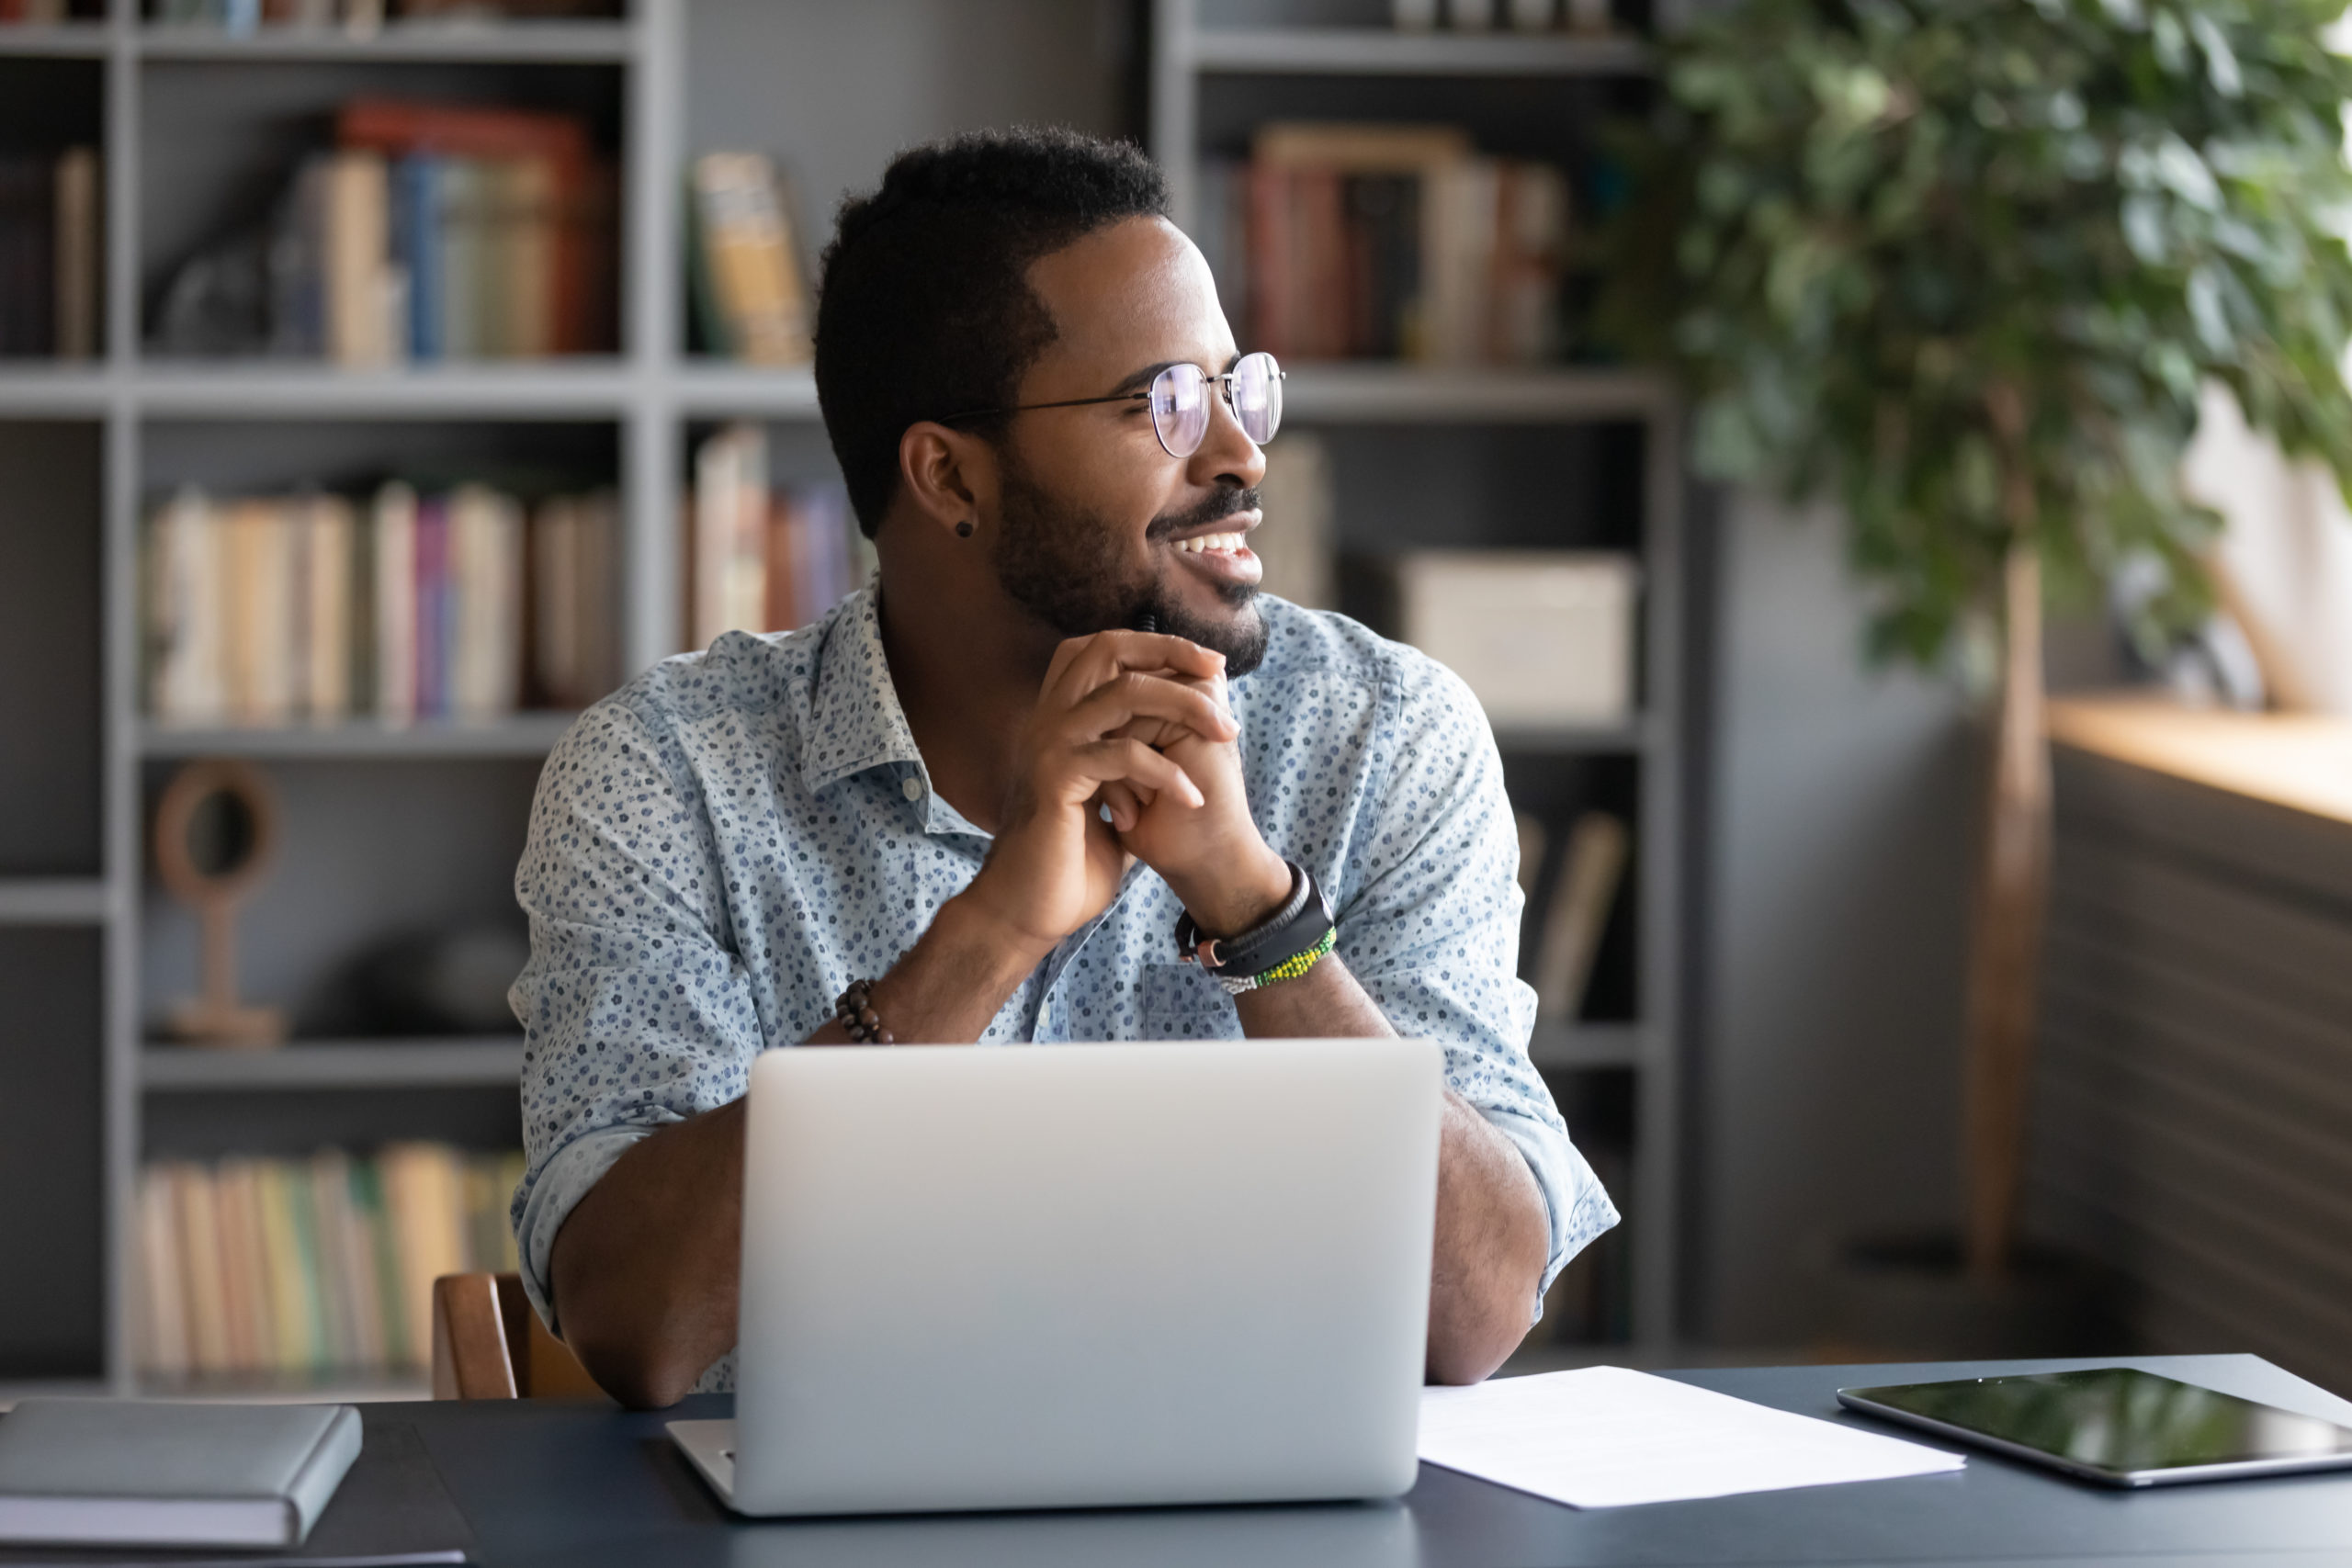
x=1223 y=505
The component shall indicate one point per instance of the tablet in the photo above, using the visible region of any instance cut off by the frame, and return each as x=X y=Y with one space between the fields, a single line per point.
x=2115 y=1425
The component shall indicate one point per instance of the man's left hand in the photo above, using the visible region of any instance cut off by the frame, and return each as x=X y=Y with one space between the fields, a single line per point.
x=1211 y=856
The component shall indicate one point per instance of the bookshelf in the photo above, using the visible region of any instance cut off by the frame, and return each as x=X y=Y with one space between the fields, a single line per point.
x=427 y=817
x=1569 y=455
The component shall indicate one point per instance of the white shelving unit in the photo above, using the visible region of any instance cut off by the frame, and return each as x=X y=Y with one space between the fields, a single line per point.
x=1196 y=51
x=646 y=395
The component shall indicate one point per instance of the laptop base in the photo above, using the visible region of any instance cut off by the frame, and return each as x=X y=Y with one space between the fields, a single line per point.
x=710 y=1444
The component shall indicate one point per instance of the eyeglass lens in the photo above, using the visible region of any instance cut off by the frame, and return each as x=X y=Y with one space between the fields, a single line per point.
x=1179 y=402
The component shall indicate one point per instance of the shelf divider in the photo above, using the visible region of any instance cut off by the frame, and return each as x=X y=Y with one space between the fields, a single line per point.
x=522 y=735
x=429 y=1062
x=487 y=43
x=53 y=900
x=1576 y=1045
x=1376 y=51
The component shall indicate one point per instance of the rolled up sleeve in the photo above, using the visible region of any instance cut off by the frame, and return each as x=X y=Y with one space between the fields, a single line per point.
x=636 y=1012
x=1430 y=927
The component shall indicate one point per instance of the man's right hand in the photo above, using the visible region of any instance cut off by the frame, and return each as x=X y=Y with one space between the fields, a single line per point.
x=1056 y=864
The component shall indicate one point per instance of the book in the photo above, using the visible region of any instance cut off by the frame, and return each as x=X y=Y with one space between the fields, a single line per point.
x=419 y=248
x=1388 y=241
x=394 y=511
x=729 y=536
x=359 y=294
x=328 y=562
x=761 y=559
x=276 y=1268
x=86 y=1471
x=265 y=611
x=482 y=586
x=75 y=328
x=1593 y=870
x=162 y=1338
x=201 y=1259
x=753 y=300
x=574 y=578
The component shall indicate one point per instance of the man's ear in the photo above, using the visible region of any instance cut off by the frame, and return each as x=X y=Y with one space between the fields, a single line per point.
x=949 y=476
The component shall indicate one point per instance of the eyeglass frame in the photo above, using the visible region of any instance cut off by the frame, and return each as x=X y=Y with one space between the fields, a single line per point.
x=1221 y=379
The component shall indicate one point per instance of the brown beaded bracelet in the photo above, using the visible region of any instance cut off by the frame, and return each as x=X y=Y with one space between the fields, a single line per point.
x=855 y=1012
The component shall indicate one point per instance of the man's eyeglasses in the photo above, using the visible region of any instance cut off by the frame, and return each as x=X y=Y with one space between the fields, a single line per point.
x=1179 y=397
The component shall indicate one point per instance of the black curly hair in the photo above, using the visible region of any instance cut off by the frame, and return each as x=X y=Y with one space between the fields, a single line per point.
x=924 y=307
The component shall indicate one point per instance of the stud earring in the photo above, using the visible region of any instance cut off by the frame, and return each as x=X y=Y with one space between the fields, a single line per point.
x=963 y=529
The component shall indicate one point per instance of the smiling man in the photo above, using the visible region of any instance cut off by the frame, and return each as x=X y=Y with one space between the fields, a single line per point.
x=974 y=803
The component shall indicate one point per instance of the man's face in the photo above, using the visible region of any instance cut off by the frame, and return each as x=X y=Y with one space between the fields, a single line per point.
x=1095 y=515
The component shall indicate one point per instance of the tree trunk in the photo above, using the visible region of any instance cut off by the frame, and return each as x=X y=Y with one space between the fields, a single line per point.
x=2005 y=945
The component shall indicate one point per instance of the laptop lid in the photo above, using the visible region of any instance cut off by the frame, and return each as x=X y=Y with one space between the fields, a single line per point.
x=1093 y=1275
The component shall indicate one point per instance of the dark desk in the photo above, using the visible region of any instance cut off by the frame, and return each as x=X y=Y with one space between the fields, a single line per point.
x=564 y=1483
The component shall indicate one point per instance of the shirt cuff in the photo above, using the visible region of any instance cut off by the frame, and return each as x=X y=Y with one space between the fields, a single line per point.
x=1577 y=1206
x=561 y=1183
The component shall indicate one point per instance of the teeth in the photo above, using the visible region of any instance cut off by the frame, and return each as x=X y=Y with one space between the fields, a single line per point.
x=1210 y=542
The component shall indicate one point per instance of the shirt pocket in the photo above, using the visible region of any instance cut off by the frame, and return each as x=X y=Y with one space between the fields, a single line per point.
x=1180 y=1002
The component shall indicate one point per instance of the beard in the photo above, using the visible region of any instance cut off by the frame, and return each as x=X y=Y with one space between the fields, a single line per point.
x=1050 y=559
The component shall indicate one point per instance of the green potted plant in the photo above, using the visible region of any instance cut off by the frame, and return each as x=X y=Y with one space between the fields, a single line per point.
x=1963 y=267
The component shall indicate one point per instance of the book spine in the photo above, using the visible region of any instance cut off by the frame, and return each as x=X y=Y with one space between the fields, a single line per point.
x=326 y=1182
x=434 y=631
x=528 y=290
x=164 y=1348
x=358 y=244
x=332 y=591
x=203 y=1280
x=417 y=187
x=395 y=617
x=458 y=271
x=75 y=269
x=186 y=611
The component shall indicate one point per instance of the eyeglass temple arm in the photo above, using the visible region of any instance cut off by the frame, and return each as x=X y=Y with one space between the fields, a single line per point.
x=1225 y=377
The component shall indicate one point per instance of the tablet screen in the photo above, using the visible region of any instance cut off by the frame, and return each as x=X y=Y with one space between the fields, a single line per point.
x=2120 y=1420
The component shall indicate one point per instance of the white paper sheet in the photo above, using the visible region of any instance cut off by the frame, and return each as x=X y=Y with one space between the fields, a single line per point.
x=1604 y=1437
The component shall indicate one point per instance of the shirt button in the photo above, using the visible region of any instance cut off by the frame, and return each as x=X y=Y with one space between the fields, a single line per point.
x=911 y=788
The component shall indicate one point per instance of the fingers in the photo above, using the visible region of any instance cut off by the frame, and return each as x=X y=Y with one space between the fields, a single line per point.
x=1102 y=762
x=1126 y=698
x=1082 y=664
x=1125 y=805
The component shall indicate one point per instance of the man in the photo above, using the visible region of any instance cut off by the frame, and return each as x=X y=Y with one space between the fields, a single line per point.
x=973 y=802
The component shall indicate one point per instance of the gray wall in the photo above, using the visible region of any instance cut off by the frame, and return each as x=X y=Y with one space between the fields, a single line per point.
x=836 y=88
x=1842 y=812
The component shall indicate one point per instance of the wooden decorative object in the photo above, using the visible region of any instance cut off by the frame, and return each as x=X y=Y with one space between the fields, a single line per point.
x=218 y=1018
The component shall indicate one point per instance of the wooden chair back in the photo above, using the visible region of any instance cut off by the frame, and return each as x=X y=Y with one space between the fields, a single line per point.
x=489 y=1344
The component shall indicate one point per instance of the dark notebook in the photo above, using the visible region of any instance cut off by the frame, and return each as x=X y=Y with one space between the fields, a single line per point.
x=391 y=1510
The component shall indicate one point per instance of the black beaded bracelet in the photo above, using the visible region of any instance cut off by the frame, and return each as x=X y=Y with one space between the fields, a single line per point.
x=855 y=1012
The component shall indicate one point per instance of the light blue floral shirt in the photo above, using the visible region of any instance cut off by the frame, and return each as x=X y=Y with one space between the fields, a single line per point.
x=721 y=846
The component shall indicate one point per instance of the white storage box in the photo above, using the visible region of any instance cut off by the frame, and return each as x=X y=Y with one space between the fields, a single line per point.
x=1543 y=636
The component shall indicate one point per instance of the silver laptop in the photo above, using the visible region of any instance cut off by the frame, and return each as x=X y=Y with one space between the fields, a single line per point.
x=1079 y=1276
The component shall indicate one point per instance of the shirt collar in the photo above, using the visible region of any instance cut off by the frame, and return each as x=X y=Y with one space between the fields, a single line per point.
x=854 y=720
x=855 y=723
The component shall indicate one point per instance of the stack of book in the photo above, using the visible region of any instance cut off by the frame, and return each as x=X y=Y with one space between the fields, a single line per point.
x=316 y=609
x=49 y=255
x=302 y=1266
x=1388 y=242
x=430 y=231
x=758 y=558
